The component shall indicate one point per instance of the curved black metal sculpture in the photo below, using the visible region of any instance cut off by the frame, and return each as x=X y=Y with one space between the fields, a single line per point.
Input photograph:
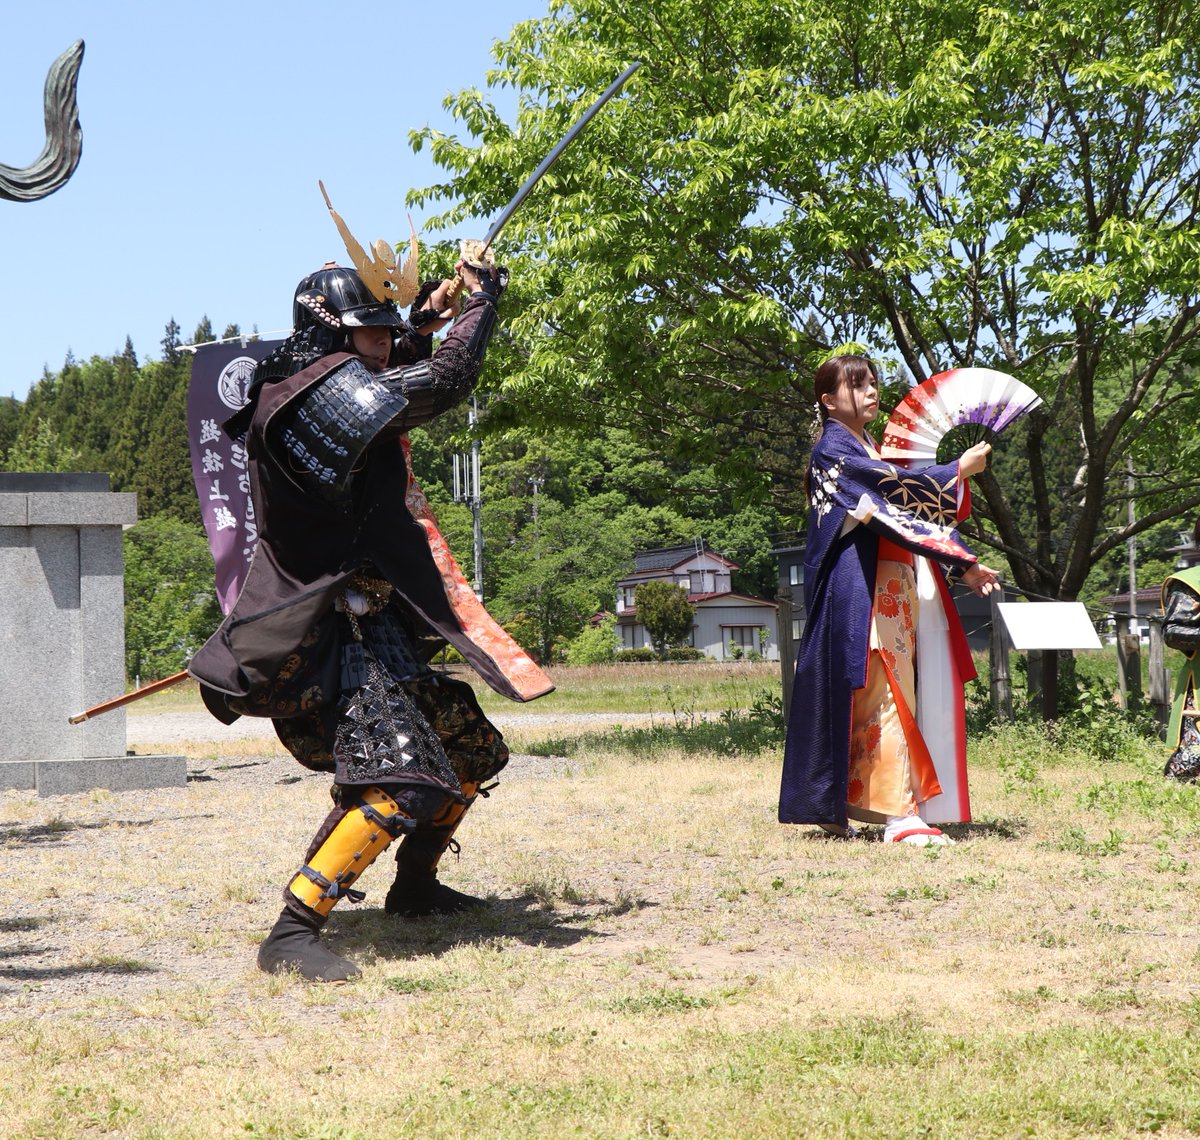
x=64 y=136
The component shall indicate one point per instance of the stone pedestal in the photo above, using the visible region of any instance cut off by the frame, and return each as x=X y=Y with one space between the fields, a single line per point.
x=62 y=637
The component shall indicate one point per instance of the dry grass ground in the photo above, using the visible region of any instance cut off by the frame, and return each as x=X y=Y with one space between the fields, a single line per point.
x=661 y=958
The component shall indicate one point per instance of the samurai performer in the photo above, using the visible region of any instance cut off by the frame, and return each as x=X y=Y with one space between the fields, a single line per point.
x=1181 y=631
x=875 y=730
x=352 y=590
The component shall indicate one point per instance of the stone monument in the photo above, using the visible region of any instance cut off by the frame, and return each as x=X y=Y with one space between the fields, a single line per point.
x=62 y=605
x=62 y=637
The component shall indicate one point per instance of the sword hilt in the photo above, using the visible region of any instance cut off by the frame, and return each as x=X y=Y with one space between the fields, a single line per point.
x=478 y=255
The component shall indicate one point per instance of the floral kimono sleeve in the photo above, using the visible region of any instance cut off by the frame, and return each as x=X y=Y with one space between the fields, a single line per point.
x=916 y=510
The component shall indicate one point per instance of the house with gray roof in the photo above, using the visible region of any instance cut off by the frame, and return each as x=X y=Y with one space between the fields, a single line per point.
x=727 y=624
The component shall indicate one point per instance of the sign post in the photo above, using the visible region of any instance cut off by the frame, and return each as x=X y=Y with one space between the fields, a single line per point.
x=1047 y=627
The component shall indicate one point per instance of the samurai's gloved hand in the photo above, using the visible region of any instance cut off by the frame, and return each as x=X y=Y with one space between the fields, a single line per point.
x=420 y=314
x=493 y=281
x=479 y=272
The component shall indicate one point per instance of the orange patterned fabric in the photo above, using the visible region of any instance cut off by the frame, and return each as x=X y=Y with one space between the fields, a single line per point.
x=890 y=552
x=891 y=770
x=476 y=622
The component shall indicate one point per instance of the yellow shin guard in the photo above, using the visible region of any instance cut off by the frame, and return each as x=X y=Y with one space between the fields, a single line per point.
x=451 y=815
x=446 y=822
x=360 y=836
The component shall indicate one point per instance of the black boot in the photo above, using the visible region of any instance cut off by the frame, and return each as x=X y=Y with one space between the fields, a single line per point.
x=294 y=944
x=414 y=895
x=416 y=891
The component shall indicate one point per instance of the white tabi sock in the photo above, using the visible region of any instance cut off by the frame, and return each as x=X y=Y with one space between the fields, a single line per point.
x=898 y=823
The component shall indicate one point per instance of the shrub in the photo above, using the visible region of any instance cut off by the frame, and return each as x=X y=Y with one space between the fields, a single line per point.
x=643 y=654
x=1100 y=725
x=594 y=645
x=678 y=653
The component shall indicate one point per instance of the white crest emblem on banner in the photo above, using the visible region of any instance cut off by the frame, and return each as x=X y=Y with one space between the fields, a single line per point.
x=234 y=380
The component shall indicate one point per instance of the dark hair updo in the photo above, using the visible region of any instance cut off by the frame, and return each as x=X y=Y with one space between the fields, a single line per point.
x=839 y=370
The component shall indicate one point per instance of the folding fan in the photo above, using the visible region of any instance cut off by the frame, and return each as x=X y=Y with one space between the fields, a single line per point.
x=970 y=402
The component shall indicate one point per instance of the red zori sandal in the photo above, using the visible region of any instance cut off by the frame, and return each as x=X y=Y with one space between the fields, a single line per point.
x=922 y=837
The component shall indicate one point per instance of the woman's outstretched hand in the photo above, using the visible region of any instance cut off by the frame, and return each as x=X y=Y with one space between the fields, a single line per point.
x=974 y=460
x=981 y=579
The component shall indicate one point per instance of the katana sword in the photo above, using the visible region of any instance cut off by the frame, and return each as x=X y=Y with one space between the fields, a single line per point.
x=479 y=249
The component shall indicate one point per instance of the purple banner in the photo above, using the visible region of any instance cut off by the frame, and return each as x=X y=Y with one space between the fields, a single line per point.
x=221 y=373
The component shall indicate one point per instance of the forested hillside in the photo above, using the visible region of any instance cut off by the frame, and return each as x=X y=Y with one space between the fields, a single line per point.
x=563 y=511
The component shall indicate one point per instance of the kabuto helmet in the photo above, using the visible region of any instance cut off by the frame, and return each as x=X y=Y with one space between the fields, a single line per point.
x=328 y=305
x=336 y=298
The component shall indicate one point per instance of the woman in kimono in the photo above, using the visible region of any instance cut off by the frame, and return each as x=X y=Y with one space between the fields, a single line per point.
x=859 y=731
x=1181 y=630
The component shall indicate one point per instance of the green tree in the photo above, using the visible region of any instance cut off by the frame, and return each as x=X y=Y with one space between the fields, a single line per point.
x=149 y=391
x=594 y=644
x=204 y=331
x=11 y=411
x=980 y=182
x=556 y=578
x=41 y=448
x=170 y=606
x=663 y=608
x=163 y=480
x=170 y=342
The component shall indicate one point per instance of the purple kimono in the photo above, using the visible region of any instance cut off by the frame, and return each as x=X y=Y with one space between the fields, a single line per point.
x=916 y=510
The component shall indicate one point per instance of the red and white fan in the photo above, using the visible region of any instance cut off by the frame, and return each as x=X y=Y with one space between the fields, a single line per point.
x=970 y=402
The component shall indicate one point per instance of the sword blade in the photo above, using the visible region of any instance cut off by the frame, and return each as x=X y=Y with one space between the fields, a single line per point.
x=553 y=156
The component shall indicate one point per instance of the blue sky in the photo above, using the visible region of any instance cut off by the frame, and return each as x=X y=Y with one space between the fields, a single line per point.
x=205 y=130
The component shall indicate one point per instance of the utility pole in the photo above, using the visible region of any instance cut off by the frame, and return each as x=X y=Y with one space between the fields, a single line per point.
x=467 y=490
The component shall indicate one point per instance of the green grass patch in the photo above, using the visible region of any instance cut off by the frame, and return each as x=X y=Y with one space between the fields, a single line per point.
x=661 y=1001
x=650 y=687
x=659 y=956
x=741 y=731
x=420 y=985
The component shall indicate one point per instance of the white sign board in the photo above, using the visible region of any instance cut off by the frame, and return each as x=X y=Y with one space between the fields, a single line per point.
x=1049 y=625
